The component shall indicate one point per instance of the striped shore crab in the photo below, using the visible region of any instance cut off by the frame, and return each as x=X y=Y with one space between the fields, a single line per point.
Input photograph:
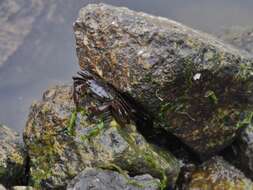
x=114 y=103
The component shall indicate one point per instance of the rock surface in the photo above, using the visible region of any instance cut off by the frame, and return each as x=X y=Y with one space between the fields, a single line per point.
x=62 y=141
x=12 y=158
x=195 y=86
x=218 y=174
x=98 y=179
x=239 y=37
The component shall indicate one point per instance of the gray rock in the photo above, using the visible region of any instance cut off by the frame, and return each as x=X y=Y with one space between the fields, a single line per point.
x=97 y=179
x=12 y=157
x=62 y=141
x=218 y=174
x=195 y=86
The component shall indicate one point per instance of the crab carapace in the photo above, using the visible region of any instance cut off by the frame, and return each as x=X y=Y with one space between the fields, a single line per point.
x=120 y=105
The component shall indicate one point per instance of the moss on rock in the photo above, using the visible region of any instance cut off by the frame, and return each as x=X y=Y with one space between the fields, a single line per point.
x=57 y=155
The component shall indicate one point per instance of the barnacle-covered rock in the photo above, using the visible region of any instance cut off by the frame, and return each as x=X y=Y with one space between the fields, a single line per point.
x=100 y=179
x=62 y=141
x=12 y=157
x=218 y=174
x=197 y=88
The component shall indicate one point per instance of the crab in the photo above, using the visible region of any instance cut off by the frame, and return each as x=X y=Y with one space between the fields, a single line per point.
x=121 y=106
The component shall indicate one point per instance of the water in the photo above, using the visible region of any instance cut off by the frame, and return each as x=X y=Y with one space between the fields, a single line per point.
x=47 y=56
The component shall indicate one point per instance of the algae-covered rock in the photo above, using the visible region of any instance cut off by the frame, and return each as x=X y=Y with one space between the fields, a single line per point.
x=217 y=174
x=98 y=179
x=12 y=157
x=196 y=87
x=62 y=141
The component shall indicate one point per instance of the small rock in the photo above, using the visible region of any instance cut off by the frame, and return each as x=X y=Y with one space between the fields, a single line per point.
x=62 y=141
x=218 y=174
x=98 y=179
x=12 y=157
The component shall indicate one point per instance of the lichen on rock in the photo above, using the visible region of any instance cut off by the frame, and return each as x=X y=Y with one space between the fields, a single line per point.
x=63 y=140
x=195 y=86
x=12 y=158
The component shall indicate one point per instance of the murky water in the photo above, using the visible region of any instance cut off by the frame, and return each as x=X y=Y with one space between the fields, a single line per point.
x=47 y=56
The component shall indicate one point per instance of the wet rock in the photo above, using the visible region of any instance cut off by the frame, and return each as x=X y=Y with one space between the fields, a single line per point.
x=62 y=141
x=195 y=86
x=12 y=158
x=239 y=37
x=98 y=179
x=218 y=174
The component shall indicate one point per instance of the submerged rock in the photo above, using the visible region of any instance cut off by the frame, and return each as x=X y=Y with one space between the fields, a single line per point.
x=98 y=179
x=62 y=141
x=12 y=158
x=195 y=86
x=218 y=174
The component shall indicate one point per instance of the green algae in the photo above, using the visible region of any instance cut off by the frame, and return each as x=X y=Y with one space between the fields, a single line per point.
x=93 y=132
x=246 y=121
x=72 y=123
x=212 y=96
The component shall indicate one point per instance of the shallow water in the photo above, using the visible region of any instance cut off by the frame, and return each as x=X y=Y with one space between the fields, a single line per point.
x=47 y=56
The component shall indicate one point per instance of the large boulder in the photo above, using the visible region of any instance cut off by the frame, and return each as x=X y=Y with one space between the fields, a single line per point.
x=217 y=174
x=12 y=158
x=98 y=179
x=195 y=86
x=62 y=141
